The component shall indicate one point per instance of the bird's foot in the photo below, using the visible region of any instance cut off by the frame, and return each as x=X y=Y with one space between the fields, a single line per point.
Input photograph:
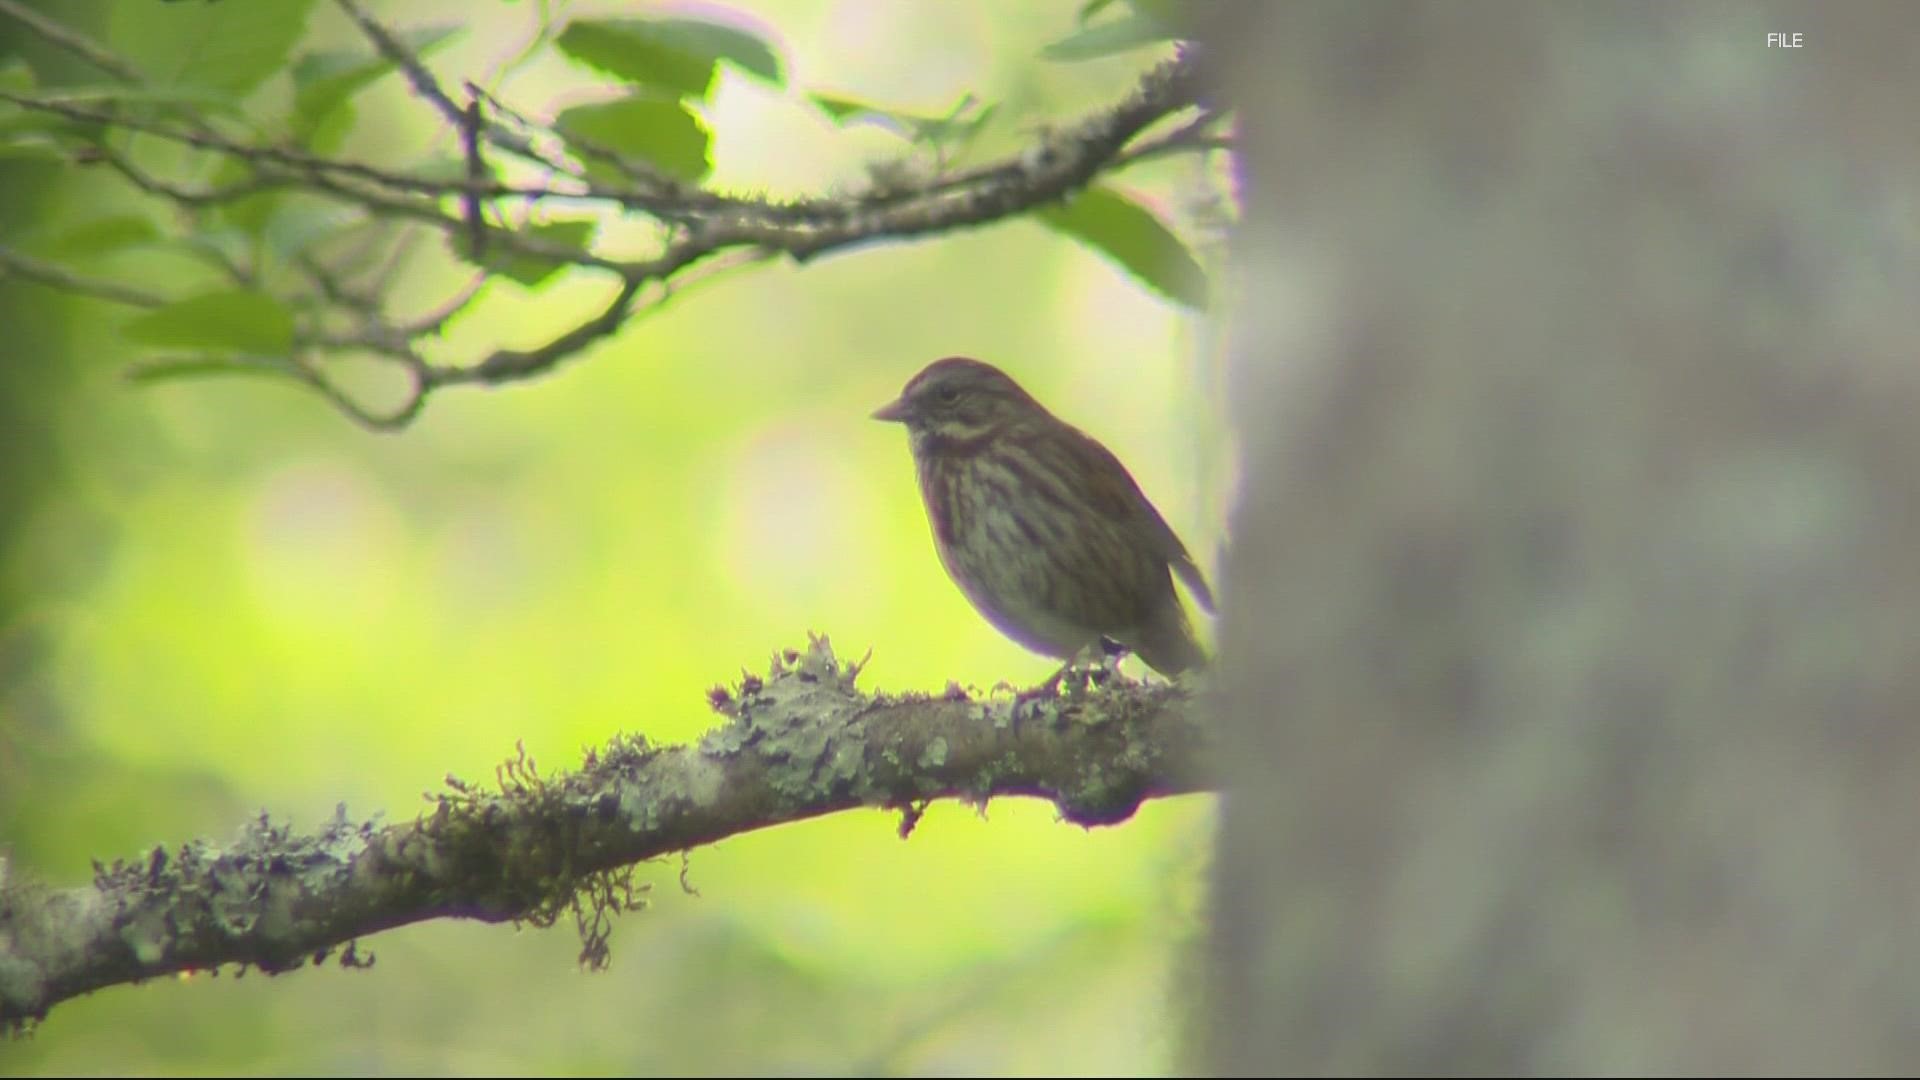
x=1091 y=666
x=1111 y=653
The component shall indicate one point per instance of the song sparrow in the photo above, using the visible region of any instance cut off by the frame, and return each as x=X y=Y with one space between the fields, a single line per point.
x=1041 y=526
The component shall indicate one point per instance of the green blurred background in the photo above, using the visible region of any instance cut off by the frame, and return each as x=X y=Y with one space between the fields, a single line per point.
x=220 y=597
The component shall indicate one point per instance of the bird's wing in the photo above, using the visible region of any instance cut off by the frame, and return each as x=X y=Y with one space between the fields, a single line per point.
x=1114 y=491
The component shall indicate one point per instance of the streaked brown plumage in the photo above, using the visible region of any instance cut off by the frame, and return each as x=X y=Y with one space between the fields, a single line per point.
x=1041 y=526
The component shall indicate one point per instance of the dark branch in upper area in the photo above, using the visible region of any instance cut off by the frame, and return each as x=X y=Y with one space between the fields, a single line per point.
x=699 y=224
x=798 y=744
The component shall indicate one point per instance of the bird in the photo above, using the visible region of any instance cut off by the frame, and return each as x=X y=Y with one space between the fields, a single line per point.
x=1042 y=528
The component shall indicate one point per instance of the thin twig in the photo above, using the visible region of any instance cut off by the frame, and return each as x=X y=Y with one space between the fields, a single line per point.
x=729 y=230
x=335 y=290
x=59 y=277
x=424 y=83
x=401 y=57
x=433 y=321
x=471 y=122
x=508 y=365
x=1192 y=135
x=173 y=192
x=667 y=202
x=373 y=421
x=544 y=20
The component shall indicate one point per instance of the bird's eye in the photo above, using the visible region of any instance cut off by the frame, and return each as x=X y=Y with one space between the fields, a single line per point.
x=947 y=394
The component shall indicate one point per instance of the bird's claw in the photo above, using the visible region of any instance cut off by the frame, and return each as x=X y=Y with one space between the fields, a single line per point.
x=1082 y=671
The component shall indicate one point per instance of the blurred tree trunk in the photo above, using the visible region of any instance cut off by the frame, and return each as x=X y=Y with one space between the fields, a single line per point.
x=1573 y=653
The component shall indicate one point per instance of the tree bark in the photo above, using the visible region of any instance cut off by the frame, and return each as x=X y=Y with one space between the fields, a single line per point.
x=1571 y=656
x=535 y=846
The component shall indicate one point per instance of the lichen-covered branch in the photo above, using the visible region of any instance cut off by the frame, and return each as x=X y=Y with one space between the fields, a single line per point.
x=798 y=744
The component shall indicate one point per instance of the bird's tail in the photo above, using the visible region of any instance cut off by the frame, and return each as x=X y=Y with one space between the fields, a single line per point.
x=1167 y=643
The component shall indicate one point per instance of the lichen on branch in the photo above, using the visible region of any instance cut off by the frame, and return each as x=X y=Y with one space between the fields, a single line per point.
x=798 y=743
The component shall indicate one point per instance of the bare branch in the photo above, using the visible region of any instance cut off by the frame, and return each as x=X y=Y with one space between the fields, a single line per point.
x=184 y=196
x=399 y=56
x=1192 y=135
x=431 y=322
x=392 y=420
x=508 y=365
x=1049 y=172
x=702 y=225
x=470 y=124
x=426 y=85
x=799 y=744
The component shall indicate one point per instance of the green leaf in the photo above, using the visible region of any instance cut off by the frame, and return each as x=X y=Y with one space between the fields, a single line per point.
x=225 y=48
x=1180 y=17
x=247 y=213
x=104 y=235
x=534 y=270
x=676 y=56
x=842 y=109
x=33 y=148
x=160 y=371
x=743 y=49
x=1131 y=31
x=238 y=320
x=300 y=221
x=15 y=75
x=329 y=133
x=658 y=131
x=323 y=81
x=622 y=48
x=215 y=248
x=954 y=126
x=17 y=78
x=1129 y=234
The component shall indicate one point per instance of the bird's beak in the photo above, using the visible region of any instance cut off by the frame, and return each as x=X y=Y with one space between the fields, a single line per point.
x=894 y=411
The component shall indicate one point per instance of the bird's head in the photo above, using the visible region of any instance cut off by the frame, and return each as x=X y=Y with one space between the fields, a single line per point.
x=958 y=400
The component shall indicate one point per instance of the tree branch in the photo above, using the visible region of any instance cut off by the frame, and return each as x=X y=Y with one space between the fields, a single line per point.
x=59 y=277
x=426 y=86
x=801 y=743
x=700 y=224
x=418 y=76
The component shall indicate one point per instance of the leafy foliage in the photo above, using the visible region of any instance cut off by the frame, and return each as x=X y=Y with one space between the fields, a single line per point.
x=230 y=320
x=1130 y=235
x=1121 y=35
x=324 y=81
x=1144 y=23
x=213 y=112
x=677 y=57
x=957 y=125
x=657 y=130
x=104 y=234
x=228 y=49
x=534 y=270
